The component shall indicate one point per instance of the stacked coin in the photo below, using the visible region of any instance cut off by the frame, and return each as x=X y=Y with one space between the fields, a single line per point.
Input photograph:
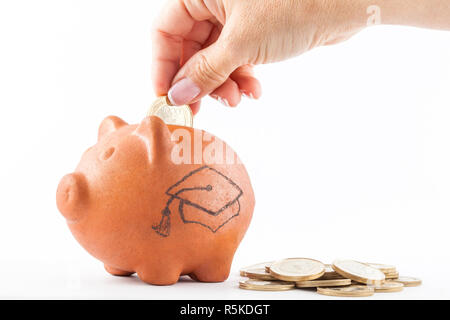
x=344 y=278
x=174 y=115
x=390 y=272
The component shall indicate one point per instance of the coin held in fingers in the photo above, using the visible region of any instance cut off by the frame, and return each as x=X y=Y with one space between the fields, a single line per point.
x=174 y=115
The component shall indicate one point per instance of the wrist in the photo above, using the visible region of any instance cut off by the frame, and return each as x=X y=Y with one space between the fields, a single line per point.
x=350 y=15
x=362 y=13
x=393 y=12
x=419 y=13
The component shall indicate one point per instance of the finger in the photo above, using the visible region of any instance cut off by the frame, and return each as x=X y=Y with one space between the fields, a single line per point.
x=170 y=29
x=341 y=38
x=228 y=93
x=195 y=107
x=190 y=48
x=196 y=39
x=207 y=70
x=248 y=84
x=213 y=36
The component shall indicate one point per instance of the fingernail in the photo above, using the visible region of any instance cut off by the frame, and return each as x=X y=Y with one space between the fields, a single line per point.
x=223 y=101
x=183 y=92
x=248 y=95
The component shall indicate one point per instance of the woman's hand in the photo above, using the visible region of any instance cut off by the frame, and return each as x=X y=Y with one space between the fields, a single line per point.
x=203 y=47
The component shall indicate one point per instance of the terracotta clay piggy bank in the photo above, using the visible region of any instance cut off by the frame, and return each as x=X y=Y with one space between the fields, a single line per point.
x=158 y=200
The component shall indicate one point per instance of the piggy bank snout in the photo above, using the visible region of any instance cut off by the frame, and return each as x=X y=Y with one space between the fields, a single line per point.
x=71 y=196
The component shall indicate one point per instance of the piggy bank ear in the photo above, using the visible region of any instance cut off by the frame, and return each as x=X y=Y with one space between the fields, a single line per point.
x=156 y=136
x=71 y=196
x=110 y=124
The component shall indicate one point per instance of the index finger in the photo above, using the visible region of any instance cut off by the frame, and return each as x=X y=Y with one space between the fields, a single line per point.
x=170 y=29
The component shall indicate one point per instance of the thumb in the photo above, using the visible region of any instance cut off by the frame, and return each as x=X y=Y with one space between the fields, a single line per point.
x=204 y=72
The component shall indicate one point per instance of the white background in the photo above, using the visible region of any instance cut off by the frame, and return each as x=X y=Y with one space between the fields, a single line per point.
x=348 y=149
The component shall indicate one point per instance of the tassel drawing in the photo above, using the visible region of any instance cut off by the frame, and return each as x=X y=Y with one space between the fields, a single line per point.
x=198 y=200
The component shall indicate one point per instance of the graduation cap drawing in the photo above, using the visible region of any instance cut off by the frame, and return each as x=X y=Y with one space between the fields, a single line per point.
x=206 y=197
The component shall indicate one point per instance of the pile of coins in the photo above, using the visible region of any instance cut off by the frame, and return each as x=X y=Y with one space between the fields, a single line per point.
x=343 y=278
x=173 y=115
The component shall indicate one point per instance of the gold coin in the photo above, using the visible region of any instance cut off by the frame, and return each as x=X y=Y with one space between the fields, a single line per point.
x=254 y=266
x=268 y=264
x=258 y=274
x=389 y=286
x=359 y=272
x=266 y=285
x=323 y=283
x=297 y=269
x=174 y=115
x=392 y=275
x=409 y=281
x=330 y=274
x=350 y=291
x=385 y=268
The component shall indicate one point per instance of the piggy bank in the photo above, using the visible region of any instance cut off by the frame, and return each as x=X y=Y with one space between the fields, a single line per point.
x=158 y=200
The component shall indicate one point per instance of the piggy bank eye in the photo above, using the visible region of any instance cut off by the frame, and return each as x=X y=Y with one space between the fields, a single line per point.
x=108 y=153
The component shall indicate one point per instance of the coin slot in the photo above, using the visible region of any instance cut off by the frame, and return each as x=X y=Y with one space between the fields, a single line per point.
x=108 y=153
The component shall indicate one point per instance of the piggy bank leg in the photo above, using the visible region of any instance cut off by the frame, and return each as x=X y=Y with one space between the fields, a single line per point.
x=213 y=271
x=117 y=272
x=160 y=276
